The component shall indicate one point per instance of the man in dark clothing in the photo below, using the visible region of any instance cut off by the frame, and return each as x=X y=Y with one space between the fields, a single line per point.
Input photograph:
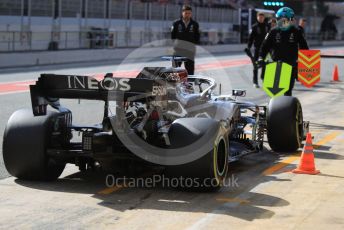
x=284 y=42
x=185 y=33
x=257 y=35
x=272 y=23
x=302 y=24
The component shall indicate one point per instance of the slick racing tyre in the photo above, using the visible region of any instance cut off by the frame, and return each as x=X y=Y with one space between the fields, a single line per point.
x=25 y=141
x=284 y=124
x=209 y=171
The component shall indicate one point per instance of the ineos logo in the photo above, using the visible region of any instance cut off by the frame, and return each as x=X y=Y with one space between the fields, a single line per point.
x=115 y=84
x=84 y=82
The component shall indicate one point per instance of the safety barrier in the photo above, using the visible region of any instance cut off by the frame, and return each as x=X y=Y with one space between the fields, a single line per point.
x=11 y=41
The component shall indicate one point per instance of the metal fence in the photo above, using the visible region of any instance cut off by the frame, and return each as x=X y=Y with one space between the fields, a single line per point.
x=86 y=12
x=111 y=9
x=110 y=35
x=30 y=41
x=11 y=41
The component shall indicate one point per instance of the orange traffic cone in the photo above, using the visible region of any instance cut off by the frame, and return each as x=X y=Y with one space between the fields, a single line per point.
x=335 y=76
x=307 y=165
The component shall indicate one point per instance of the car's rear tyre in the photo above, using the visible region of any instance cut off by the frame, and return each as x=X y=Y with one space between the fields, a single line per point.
x=284 y=124
x=24 y=146
x=207 y=173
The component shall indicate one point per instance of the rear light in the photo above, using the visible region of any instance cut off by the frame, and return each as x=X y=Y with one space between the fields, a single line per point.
x=177 y=75
x=154 y=115
x=183 y=75
x=87 y=141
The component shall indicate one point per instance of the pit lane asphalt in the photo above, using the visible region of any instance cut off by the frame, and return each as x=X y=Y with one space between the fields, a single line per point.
x=267 y=195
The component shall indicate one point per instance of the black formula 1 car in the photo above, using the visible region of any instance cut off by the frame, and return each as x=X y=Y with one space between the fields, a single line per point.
x=160 y=118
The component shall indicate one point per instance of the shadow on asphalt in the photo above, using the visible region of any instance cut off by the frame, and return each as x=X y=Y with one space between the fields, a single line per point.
x=327 y=155
x=329 y=175
x=326 y=127
x=319 y=91
x=248 y=171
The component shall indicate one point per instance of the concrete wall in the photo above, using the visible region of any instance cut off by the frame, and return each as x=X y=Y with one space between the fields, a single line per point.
x=42 y=28
x=21 y=59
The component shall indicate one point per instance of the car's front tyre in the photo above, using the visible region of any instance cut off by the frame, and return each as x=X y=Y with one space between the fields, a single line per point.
x=284 y=124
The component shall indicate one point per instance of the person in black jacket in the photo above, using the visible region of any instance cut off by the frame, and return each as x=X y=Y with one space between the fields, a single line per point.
x=302 y=24
x=272 y=23
x=284 y=42
x=257 y=35
x=185 y=33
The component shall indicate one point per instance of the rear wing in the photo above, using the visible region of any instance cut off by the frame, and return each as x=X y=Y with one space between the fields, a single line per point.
x=49 y=88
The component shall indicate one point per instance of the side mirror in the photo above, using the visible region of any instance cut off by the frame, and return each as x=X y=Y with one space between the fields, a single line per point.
x=238 y=92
